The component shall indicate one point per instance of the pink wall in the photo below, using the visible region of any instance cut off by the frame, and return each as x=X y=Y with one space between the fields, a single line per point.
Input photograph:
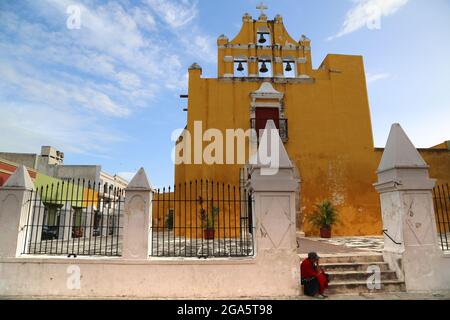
x=7 y=169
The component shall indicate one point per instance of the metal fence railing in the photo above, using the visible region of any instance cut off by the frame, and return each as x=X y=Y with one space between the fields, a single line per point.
x=441 y=199
x=74 y=217
x=202 y=219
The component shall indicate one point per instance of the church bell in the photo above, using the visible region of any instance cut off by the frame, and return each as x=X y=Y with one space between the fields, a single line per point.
x=263 y=68
x=240 y=68
x=288 y=67
x=261 y=38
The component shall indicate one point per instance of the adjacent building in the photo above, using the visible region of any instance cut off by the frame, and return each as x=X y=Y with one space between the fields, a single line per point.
x=70 y=201
x=50 y=162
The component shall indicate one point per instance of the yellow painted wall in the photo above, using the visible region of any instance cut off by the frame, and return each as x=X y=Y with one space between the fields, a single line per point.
x=437 y=158
x=330 y=133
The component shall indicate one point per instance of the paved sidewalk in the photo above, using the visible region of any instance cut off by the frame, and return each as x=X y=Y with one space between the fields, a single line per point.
x=388 y=296
x=306 y=245
x=340 y=245
x=366 y=243
x=366 y=296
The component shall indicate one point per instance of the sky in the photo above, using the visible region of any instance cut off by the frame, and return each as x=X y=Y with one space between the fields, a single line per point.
x=105 y=89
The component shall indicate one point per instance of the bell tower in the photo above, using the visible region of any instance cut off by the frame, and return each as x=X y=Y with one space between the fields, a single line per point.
x=322 y=116
x=263 y=49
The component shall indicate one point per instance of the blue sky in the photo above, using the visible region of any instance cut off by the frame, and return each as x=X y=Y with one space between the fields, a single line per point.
x=108 y=93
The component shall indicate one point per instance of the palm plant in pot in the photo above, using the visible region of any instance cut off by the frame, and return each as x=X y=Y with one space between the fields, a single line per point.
x=324 y=217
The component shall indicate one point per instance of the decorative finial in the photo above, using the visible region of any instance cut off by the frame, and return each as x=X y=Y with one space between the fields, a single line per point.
x=195 y=66
x=262 y=7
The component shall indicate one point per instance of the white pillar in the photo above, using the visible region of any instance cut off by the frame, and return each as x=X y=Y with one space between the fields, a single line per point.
x=408 y=216
x=137 y=218
x=14 y=208
x=275 y=213
x=67 y=232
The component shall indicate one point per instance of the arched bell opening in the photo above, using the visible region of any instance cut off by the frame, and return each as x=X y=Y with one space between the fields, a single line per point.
x=265 y=68
x=263 y=39
x=240 y=68
x=289 y=68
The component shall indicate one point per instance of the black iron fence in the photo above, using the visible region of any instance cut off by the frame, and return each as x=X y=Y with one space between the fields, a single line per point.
x=74 y=217
x=441 y=197
x=202 y=219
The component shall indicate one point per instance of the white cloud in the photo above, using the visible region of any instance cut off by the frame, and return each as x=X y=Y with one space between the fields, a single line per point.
x=370 y=78
x=129 y=80
x=26 y=129
x=178 y=15
x=205 y=46
x=367 y=13
x=42 y=89
x=144 y=19
x=120 y=59
x=175 y=13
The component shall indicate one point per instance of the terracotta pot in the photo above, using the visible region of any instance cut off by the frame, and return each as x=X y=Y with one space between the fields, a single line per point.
x=208 y=234
x=77 y=232
x=325 y=232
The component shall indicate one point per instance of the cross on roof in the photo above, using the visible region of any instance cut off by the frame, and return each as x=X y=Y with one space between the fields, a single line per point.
x=262 y=7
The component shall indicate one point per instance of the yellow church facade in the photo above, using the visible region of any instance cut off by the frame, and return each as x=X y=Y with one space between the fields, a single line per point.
x=322 y=114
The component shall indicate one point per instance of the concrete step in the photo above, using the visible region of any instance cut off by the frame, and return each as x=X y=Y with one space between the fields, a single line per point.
x=349 y=274
x=352 y=259
x=360 y=266
x=340 y=276
x=356 y=287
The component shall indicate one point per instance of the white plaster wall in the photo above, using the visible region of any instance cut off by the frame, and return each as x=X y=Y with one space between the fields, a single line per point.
x=409 y=218
x=408 y=214
x=426 y=269
x=268 y=276
x=89 y=173
x=9 y=223
x=274 y=272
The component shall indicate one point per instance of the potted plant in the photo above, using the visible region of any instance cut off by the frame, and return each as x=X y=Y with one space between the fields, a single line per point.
x=324 y=217
x=208 y=220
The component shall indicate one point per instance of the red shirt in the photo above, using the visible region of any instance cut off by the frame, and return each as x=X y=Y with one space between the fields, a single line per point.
x=307 y=270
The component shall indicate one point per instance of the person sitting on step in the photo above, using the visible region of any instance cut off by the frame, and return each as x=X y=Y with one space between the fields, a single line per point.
x=313 y=277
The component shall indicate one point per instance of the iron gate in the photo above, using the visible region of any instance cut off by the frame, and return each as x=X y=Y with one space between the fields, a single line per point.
x=74 y=217
x=441 y=199
x=202 y=219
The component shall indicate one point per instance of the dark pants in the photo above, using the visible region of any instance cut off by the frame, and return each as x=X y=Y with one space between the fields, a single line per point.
x=311 y=286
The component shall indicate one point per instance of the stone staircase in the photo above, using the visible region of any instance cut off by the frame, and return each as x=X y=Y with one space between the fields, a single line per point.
x=349 y=274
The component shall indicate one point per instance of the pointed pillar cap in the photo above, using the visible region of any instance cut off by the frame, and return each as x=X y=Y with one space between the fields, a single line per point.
x=20 y=179
x=267 y=149
x=400 y=152
x=267 y=175
x=139 y=181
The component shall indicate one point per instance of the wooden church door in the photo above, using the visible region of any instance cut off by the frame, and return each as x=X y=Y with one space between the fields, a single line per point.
x=264 y=114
